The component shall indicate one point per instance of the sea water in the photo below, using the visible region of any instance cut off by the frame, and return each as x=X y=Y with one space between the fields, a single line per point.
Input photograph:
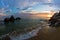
x=21 y=26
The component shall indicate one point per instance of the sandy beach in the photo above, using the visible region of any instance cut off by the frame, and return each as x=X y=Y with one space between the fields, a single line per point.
x=47 y=34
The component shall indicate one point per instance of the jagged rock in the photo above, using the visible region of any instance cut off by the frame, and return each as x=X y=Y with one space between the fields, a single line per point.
x=55 y=20
x=18 y=18
x=6 y=20
x=6 y=38
x=12 y=19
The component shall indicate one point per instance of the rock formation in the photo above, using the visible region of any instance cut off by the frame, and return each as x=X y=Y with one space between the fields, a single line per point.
x=18 y=18
x=6 y=20
x=6 y=38
x=55 y=20
x=11 y=19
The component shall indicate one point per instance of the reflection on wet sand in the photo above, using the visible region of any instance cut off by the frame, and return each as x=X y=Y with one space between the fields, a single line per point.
x=47 y=33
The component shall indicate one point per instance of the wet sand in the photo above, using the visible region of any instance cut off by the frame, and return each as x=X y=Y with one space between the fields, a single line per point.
x=47 y=34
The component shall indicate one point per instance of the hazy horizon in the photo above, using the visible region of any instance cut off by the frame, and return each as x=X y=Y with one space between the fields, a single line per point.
x=28 y=15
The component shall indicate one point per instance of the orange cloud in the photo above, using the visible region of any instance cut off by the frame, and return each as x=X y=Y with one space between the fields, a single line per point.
x=2 y=14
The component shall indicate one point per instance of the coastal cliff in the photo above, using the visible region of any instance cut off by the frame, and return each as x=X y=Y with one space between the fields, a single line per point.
x=55 y=20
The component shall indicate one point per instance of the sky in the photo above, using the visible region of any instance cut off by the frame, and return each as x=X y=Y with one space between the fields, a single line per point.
x=15 y=6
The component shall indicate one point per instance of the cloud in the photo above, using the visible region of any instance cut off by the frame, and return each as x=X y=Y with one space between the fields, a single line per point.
x=2 y=10
x=33 y=3
x=37 y=0
x=2 y=14
x=49 y=0
x=26 y=4
x=50 y=7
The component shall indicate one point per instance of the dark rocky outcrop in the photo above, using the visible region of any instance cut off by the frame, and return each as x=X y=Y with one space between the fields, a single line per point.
x=6 y=20
x=18 y=18
x=6 y=38
x=55 y=20
x=11 y=19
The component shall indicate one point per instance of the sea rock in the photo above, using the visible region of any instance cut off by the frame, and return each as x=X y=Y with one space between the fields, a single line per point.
x=6 y=38
x=12 y=19
x=6 y=20
x=18 y=18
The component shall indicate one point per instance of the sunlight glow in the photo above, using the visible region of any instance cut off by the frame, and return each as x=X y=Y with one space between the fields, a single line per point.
x=49 y=15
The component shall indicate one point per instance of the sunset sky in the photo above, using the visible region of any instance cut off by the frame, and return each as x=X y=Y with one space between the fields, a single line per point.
x=15 y=6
